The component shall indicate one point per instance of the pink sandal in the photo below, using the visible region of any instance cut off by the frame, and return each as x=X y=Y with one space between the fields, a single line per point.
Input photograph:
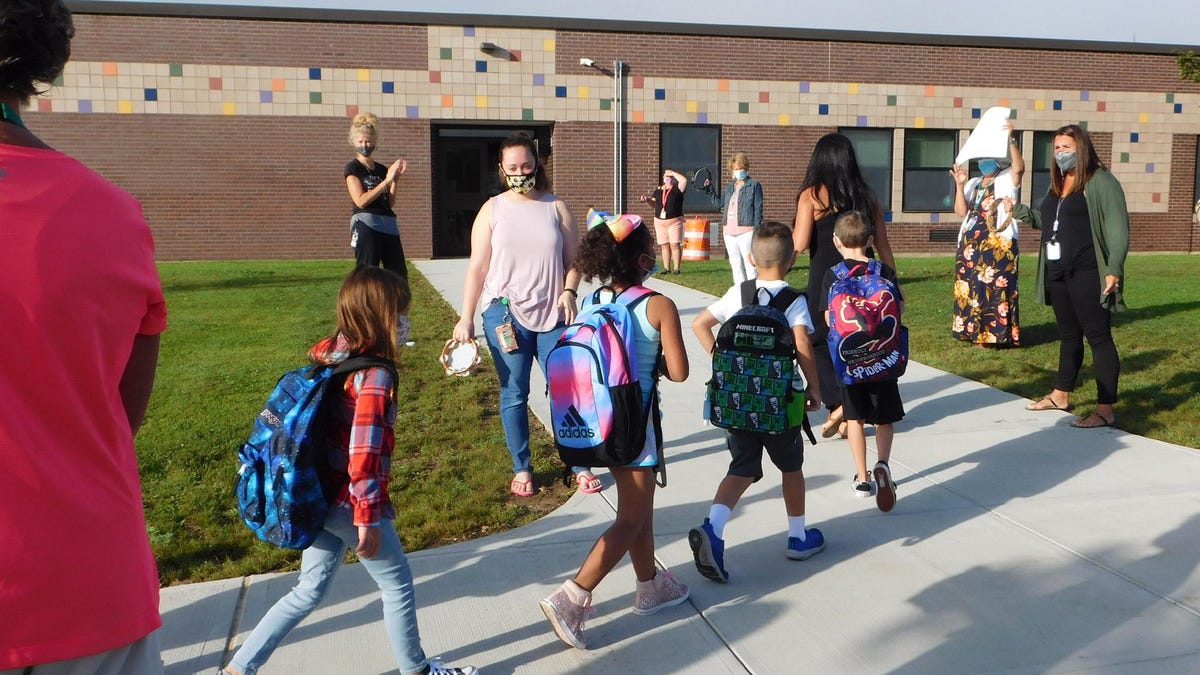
x=521 y=488
x=588 y=485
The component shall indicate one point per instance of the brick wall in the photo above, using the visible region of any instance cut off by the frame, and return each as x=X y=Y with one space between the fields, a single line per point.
x=222 y=188
x=1174 y=230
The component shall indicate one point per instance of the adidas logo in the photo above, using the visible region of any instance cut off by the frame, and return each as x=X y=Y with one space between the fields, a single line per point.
x=573 y=425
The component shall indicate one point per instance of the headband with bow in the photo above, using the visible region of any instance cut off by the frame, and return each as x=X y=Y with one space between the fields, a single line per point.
x=620 y=225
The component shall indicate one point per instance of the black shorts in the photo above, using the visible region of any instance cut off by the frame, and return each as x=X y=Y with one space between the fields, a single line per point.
x=786 y=451
x=873 y=402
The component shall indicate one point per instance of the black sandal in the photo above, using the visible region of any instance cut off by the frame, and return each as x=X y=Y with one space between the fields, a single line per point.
x=1037 y=407
x=1104 y=421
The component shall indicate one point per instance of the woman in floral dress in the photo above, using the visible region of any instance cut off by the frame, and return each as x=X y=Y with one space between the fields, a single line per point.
x=985 y=272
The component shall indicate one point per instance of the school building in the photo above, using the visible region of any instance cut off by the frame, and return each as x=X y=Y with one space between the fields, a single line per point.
x=230 y=126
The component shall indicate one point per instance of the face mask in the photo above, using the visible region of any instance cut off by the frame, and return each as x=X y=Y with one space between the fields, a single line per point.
x=650 y=264
x=670 y=182
x=1065 y=160
x=987 y=166
x=365 y=150
x=740 y=174
x=403 y=327
x=521 y=184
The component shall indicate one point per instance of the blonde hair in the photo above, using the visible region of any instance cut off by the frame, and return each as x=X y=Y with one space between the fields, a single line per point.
x=739 y=161
x=852 y=230
x=772 y=245
x=364 y=123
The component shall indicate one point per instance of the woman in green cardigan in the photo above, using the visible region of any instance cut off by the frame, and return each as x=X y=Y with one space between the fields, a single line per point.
x=1081 y=269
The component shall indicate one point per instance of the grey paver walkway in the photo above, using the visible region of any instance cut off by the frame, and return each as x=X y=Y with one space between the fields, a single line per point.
x=1018 y=545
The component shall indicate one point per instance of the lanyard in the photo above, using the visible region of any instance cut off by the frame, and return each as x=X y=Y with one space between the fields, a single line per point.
x=1057 y=209
x=9 y=114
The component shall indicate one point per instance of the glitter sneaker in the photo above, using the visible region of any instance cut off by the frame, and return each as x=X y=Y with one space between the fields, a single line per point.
x=664 y=590
x=566 y=617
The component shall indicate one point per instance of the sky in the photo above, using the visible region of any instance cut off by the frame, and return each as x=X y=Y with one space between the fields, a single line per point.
x=1151 y=22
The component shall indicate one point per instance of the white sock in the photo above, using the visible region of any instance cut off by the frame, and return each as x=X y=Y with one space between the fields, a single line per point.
x=578 y=594
x=718 y=515
x=796 y=527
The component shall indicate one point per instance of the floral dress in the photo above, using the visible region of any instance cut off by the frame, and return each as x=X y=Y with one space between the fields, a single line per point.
x=985 y=286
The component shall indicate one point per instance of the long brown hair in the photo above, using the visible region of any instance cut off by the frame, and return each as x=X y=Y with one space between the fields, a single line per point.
x=521 y=139
x=369 y=305
x=1087 y=162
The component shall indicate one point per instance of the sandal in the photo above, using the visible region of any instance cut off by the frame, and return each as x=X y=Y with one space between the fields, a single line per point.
x=588 y=483
x=1104 y=421
x=842 y=431
x=521 y=488
x=833 y=423
x=1047 y=403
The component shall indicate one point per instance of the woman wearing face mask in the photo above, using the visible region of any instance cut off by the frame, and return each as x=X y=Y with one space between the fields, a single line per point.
x=1081 y=269
x=374 y=234
x=985 y=286
x=667 y=202
x=523 y=245
x=741 y=202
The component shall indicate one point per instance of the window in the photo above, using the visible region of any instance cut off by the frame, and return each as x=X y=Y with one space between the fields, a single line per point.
x=973 y=165
x=928 y=158
x=687 y=148
x=1043 y=155
x=1196 y=192
x=873 y=149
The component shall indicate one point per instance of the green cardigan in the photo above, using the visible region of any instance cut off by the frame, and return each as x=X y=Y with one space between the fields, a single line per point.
x=1110 y=235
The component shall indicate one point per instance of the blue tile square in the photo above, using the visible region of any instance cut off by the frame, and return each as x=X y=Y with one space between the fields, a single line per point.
x=1178 y=107
x=804 y=87
x=481 y=66
x=389 y=87
x=976 y=113
x=412 y=112
x=1058 y=104
x=560 y=92
x=539 y=79
x=1150 y=167
x=935 y=217
x=1085 y=95
x=314 y=73
x=265 y=96
x=862 y=120
x=1133 y=138
x=468 y=31
x=702 y=118
x=85 y=105
x=823 y=109
x=660 y=94
x=887 y=216
x=151 y=94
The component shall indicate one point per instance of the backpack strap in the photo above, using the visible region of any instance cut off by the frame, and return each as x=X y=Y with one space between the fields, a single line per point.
x=784 y=298
x=629 y=297
x=356 y=363
x=749 y=291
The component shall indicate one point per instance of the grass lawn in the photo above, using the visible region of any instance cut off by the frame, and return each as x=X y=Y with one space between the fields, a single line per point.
x=234 y=328
x=1160 y=369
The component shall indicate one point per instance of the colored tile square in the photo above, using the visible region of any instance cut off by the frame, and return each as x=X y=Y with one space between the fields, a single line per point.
x=1083 y=124
x=702 y=118
x=852 y=88
x=363 y=74
x=605 y=104
x=314 y=73
x=919 y=123
x=45 y=105
x=445 y=53
x=351 y=111
x=583 y=92
x=447 y=100
x=1039 y=104
x=1003 y=102
x=412 y=112
x=560 y=92
x=823 y=109
x=743 y=106
x=862 y=120
x=1170 y=98
x=1012 y=114
x=527 y=114
x=891 y=99
x=1085 y=95
x=1143 y=117
x=388 y=87
x=481 y=101
x=481 y=66
x=1178 y=108
x=125 y=107
x=722 y=85
x=660 y=94
x=539 y=79
x=514 y=55
x=1133 y=138
x=958 y=102
x=887 y=216
x=1057 y=105
x=1156 y=197
x=435 y=76
x=110 y=68
x=468 y=31
x=976 y=113
x=1150 y=167
x=764 y=97
x=314 y=97
x=639 y=82
x=279 y=84
x=804 y=87
x=639 y=116
x=930 y=90
x=265 y=96
x=1124 y=157
x=784 y=119
x=229 y=108
x=1101 y=106
x=935 y=217
x=85 y=105
x=548 y=45
x=150 y=94
x=58 y=81
x=215 y=84
x=692 y=106
x=176 y=70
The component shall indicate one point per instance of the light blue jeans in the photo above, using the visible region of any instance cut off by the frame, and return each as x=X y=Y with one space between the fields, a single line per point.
x=513 y=369
x=389 y=568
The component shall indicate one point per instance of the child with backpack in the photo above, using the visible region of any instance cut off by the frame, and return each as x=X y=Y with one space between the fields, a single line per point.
x=763 y=336
x=360 y=437
x=862 y=303
x=620 y=251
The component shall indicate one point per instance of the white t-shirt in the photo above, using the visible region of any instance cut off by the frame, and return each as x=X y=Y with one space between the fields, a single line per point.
x=731 y=302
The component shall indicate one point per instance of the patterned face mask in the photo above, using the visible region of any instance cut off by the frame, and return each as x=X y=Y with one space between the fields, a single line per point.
x=521 y=183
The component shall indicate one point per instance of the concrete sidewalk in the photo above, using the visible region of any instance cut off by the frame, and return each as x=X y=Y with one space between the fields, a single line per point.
x=1018 y=544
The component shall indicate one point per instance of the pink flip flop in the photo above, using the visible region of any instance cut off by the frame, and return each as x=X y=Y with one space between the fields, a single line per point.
x=521 y=488
x=588 y=486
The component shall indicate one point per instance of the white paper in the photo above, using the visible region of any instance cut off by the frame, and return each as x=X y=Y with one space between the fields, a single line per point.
x=989 y=138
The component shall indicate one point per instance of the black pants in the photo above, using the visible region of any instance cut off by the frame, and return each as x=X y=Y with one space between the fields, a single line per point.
x=1079 y=314
x=831 y=386
x=372 y=248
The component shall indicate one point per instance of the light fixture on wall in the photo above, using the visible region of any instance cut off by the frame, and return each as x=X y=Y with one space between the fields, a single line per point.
x=488 y=48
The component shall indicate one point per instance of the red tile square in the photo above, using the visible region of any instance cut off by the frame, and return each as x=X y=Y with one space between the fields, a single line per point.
x=957 y=101
x=351 y=110
x=515 y=55
x=44 y=105
x=1101 y=106
x=214 y=83
x=1156 y=197
x=435 y=76
x=764 y=97
x=638 y=81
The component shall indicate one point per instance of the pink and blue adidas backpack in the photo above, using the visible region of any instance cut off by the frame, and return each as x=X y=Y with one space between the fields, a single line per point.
x=596 y=408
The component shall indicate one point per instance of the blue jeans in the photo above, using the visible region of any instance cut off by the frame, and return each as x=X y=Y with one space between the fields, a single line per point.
x=389 y=568
x=513 y=369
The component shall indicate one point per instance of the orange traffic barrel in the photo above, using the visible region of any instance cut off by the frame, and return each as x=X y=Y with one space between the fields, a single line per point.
x=695 y=239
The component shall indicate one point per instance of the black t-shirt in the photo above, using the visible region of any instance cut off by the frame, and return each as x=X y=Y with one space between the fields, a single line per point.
x=1076 y=250
x=674 y=203
x=370 y=178
x=831 y=276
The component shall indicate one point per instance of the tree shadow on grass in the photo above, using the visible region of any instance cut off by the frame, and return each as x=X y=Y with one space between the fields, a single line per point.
x=257 y=279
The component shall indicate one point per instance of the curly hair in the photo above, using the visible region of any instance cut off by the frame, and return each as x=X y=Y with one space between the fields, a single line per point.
x=35 y=43
x=601 y=257
x=364 y=123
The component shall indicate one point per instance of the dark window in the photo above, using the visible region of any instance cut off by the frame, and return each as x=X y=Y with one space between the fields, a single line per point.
x=1196 y=192
x=687 y=148
x=873 y=149
x=928 y=158
x=1043 y=155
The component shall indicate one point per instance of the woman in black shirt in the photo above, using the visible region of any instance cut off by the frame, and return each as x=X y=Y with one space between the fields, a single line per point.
x=667 y=202
x=374 y=234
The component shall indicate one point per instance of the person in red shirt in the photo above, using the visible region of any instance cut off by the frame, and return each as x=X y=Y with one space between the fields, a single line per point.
x=82 y=310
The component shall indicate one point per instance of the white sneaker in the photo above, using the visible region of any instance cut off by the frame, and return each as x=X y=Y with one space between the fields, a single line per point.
x=885 y=495
x=438 y=667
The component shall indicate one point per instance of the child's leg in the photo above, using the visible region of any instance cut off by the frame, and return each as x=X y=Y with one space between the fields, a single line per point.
x=635 y=504
x=389 y=568
x=883 y=441
x=858 y=447
x=731 y=490
x=793 y=493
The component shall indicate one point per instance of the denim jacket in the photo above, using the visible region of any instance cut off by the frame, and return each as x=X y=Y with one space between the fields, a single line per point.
x=749 y=201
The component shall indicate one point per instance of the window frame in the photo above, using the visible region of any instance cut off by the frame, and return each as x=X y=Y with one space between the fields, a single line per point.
x=952 y=135
x=1040 y=171
x=884 y=196
x=694 y=200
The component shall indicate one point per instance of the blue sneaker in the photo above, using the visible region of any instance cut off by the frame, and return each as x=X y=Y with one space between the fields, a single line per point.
x=812 y=544
x=709 y=552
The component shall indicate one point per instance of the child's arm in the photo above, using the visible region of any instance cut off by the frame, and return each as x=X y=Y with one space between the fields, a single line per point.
x=664 y=316
x=808 y=366
x=372 y=438
x=702 y=326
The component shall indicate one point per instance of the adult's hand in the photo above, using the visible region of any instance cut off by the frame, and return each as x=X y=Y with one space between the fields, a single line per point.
x=959 y=173
x=1111 y=283
x=566 y=301
x=397 y=167
x=368 y=541
x=464 y=330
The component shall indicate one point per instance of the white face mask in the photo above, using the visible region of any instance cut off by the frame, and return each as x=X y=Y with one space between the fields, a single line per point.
x=740 y=174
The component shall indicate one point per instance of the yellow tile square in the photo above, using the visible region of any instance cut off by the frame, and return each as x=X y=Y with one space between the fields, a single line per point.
x=1143 y=117
x=693 y=106
x=125 y=107
x=364 y=74
x=228 y=108
x=919 y=123
x=852 y=88
x=1039 y=104
x=583 y=92
x=784 y=119
x=481 y=101
x=548 y=45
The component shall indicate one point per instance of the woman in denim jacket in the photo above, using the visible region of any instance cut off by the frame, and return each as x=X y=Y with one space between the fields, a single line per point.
x=741 y=202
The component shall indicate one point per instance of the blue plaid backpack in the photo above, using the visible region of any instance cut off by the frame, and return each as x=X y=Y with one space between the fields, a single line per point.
x=280 y=487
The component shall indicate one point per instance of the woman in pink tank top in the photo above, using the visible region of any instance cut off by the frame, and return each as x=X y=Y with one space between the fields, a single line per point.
x=523 y=247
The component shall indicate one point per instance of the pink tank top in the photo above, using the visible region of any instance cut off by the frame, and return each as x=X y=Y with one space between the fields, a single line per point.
x=527 y=260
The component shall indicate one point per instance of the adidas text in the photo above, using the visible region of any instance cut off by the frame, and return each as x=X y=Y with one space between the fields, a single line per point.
x=576 y=433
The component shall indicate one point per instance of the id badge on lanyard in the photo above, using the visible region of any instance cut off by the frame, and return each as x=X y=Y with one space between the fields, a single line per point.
x=1053 y=248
